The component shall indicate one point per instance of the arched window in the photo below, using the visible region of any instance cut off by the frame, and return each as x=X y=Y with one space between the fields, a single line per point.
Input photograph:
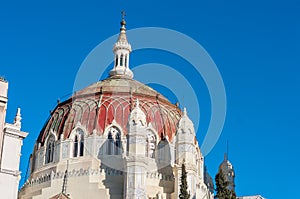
x=163 y=151
x=75 y=151
x=114 y=142
x=125 y=60
x=117 y=60
x=118 y=144
x=151 y=144
x=81 y=146
x=121 y=60
x=78 y=143
x=109 y=144
x=50 y=149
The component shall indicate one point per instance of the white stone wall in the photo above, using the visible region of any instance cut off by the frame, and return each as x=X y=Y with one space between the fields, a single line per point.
x=3 y=104
x=89 y=178
x=9 y=173
x=11 y=139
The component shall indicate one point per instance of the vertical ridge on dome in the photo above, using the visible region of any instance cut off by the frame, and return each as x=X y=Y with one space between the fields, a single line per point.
x=122 y=49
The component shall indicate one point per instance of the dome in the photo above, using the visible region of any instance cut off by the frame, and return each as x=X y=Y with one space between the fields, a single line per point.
x=111 y=100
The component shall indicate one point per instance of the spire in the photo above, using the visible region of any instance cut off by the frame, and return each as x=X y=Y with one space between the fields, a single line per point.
x=122 y=50
x=17 y=121
x=225 y=157
x=226 y=154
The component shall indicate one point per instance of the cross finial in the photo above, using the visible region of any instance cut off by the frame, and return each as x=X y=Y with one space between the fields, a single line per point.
x=123 y=15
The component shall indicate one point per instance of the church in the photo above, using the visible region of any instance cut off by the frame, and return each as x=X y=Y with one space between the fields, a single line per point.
x=117 y=138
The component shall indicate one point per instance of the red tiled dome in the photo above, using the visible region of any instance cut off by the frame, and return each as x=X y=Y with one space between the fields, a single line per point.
x=96 y=106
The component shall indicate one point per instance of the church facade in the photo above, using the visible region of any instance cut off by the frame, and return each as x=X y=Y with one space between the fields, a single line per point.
x=117 y=138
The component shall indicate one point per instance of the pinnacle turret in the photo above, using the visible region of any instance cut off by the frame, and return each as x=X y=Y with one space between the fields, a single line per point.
x=122 y=49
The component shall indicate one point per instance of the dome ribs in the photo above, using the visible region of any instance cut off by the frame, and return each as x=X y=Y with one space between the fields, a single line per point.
x=98 y=105
x=46 y=130
x=58 y=121
x=55 y=118
x=101 y=117
x=69 y=123
x=79 y=111
x=162 y=134
x=125 y=108
x=174 y=123
x=158 y=120
x=167 y=127
x=107 y=114
x=85 y=112
x=149 y=113
x=116 y=108
x=92 y=120
x=89 y=124
x=119 y=115
x=63 y=120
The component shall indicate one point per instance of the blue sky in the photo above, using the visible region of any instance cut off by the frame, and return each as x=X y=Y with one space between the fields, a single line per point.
x=255 y=45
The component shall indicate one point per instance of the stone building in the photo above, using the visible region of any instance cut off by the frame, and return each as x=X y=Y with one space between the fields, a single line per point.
x=11 y=139
x=117 y=138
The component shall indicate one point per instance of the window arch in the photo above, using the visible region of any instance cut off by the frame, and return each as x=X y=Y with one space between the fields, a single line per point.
x=114 y=141
x=78 y=143
x=126 y=60
x=121 y=60
x=109 y=144
x=163 y=151
x=117 y=60
x=75 y=147
x=118 y=144
x=50 y=149
x=151 y=144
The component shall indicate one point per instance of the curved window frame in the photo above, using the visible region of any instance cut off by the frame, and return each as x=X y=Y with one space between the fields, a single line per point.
x=117 y=60
x=121 y=60
x=114 y=141
x=77 y=143
x=50 y=147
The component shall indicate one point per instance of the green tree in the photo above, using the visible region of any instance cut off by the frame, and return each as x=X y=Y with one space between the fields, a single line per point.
x=183 y=186
x=221 y=187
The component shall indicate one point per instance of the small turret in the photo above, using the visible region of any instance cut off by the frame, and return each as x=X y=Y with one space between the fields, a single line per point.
x=137 y=116
x=135 y=161
x=185 y=138
x=122 y=49
x=186 y=151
